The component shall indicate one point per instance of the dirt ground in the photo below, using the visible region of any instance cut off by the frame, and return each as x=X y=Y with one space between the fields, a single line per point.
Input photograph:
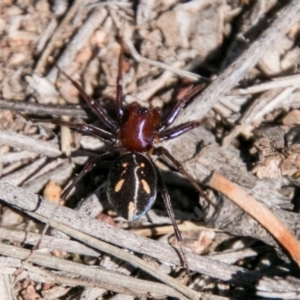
x=236 y=65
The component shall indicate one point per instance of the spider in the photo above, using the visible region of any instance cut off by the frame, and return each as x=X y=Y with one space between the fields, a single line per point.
x=133 y=179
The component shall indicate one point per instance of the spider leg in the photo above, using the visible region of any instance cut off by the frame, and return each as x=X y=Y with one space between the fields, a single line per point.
x=168 y=204
x=176 y=131
x=84 y=128
x=94 y=105
x=119 y=95
x=87 y=168
x=167 y=201
x=159 y=151
x=179 y=105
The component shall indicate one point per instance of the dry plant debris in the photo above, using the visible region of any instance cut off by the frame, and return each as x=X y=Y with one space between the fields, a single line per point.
x=247 y=54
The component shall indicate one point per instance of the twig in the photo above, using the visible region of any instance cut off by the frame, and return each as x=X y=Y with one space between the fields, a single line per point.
x=110 y=3
x=151 y=88
x=49 y=242
x=288 y=16
x=24 y=142
x=141 y=59
x=276 y=83
x=231 y=257
x=258 y=212
x=13 y=157
x=47 y=148
x=57 y=34
x=6 y=290
x=132 y=259
x=274 y=103
x=227 y=161
x=184 y=226
x=255 y=112
x=30 y=108
x=20 y=176
x=97 y=275
x=79 y=40
x=59 y=174
x=30 y=202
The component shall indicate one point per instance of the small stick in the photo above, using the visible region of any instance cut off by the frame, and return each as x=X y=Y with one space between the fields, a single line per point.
x=43 y=209
x=141 y=59
x=103 y=276
x=287 y=17
x=275 y=83
x=265 y=103
x=57 y=35
x=167 y=229
x=259 y=212
x=119 y=253
x=42 y=110
x=79 y=40
x=29 y=143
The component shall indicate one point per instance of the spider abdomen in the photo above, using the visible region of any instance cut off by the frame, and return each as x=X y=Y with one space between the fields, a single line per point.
x=132 y=185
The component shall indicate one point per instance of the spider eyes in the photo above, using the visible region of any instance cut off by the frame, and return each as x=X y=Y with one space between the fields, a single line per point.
x=142 y=110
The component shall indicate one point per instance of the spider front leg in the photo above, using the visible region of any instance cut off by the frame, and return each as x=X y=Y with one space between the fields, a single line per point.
x=84 y=128
x=98 y=110
x=179 y=105
x=119 y=94
x=176 y=131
